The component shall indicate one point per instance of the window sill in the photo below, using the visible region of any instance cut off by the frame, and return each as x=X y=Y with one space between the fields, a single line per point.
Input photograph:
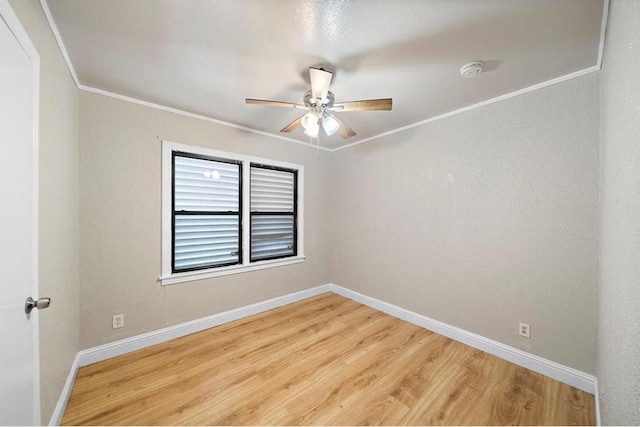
x=224 y=271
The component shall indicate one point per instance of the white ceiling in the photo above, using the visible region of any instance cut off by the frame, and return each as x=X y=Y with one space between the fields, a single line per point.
x=207 y=56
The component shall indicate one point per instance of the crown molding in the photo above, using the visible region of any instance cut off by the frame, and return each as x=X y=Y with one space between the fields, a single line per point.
x=193 y=115
x=603 y=31
x=522 y=91
x=518 y=92
x=61 y=46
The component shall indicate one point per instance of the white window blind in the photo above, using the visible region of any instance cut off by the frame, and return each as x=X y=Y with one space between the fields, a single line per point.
x=273 y=213
x=206 y=201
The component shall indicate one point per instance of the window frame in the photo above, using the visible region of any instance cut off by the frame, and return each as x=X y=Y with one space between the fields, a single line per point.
x=176 y=153
x=293 y=214
x=168 y=276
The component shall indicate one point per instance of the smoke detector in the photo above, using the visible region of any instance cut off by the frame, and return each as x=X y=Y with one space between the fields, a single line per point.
x=471 y=70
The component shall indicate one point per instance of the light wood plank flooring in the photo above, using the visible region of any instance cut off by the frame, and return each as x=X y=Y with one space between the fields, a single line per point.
x=325 y=360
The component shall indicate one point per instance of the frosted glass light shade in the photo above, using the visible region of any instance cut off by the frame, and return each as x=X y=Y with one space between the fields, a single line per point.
x=312 y=131
x=310 y=124
x=330 y=125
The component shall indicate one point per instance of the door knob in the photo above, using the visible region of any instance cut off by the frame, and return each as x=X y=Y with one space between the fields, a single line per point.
x=42 y=303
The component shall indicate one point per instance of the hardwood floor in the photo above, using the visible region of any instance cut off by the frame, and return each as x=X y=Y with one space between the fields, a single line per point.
x=326 y=360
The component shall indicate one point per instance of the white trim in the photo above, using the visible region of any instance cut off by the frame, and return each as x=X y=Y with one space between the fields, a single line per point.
x=15 y=26
x=565 y=374
x=127 y=345
x=371 y=138
x=212 y=152
x=58 y=37
x=58 y=412
x=80 y=86
x=166 y=275
x=166 y=201
x=603 y=32
x=597 y=402
x=474 y=106
x=193 y=115
x=522 y=91
x=188 y=276
x=36 y=227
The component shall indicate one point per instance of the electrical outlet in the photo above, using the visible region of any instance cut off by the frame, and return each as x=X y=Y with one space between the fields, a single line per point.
x=525 y=330
x=117 y=321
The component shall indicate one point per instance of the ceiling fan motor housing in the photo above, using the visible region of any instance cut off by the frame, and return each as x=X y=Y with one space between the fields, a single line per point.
x=310 y=102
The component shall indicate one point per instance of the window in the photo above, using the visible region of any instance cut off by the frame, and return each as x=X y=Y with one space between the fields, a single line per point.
x=225 y=213
x=206 y=212
x=273 y=212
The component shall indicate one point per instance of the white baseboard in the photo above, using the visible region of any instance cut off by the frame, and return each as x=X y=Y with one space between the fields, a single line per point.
x=58 y=412
x=127 y=345
x=565 y=374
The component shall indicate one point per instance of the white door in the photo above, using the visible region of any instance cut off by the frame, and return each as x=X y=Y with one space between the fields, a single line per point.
x=19 y=384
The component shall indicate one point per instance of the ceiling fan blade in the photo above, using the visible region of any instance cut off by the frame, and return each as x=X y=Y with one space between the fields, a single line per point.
x=320 y=81
x=293 y=125
x=275 y=103
x=364 y=105
x=345 y=131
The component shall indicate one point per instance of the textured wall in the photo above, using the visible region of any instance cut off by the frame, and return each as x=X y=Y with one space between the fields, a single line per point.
x=59 y=210
x=619 y=316
x=120 y=163
x=482 y=220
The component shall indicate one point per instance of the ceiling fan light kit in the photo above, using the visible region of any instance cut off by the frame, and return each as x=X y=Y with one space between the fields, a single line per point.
x=320 y=103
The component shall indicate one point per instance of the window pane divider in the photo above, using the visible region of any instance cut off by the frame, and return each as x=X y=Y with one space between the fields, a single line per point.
x=207 y=212
x=246 y=213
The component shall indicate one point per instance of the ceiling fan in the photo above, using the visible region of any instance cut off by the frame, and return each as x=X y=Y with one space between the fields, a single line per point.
x=320 y=103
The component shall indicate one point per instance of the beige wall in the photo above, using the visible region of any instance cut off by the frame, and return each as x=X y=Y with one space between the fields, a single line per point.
x=619 y=315
x=59 y=211
x=482 y=220
x=120 y=164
